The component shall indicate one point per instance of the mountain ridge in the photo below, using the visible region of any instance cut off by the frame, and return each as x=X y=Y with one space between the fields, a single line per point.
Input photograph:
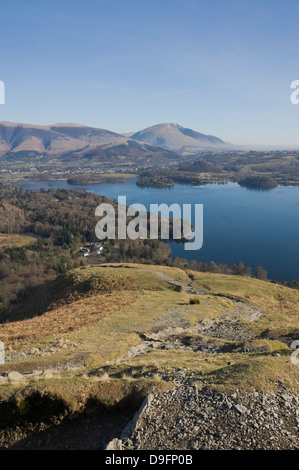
x=23 y=139
x=53 y=139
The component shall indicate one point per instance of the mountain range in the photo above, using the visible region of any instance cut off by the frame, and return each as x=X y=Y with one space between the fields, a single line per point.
x=21 y=140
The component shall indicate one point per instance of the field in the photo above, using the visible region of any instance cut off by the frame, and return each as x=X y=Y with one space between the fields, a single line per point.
x=8 y=240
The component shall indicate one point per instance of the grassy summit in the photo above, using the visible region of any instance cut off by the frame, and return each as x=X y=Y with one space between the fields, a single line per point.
x=99 y=313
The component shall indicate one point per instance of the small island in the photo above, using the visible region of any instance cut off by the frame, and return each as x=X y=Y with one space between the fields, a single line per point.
x=258 y=182
x=155 y=181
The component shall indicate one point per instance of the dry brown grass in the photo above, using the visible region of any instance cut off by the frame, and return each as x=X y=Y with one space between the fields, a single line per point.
x=280 y=304
x=104 y=309
x=62 y=320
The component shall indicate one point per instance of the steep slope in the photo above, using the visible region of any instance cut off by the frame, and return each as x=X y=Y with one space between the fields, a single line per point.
x=89 y=135
x=176 y=137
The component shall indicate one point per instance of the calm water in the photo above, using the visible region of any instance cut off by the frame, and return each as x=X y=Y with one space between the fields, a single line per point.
x=256 y=227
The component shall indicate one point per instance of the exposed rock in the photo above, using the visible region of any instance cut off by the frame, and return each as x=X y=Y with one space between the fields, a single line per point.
x=15 y=376
x=188 y=418
x=240 y=408
x=115 y=444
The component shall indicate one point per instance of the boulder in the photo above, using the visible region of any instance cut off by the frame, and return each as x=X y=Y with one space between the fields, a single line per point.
x=15 y=376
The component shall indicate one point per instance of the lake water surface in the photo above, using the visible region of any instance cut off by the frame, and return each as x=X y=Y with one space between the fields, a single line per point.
x=256 y=227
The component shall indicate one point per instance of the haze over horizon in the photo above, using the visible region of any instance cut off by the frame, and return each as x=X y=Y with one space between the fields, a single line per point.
x=220 y=68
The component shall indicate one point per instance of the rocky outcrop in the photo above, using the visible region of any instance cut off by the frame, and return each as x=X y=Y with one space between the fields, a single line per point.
x=191 y=417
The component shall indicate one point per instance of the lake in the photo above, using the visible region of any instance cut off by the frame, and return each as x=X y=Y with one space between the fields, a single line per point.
x=256 y=227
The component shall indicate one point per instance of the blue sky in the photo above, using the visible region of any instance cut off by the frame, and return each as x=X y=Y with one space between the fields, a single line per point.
x=219 y=67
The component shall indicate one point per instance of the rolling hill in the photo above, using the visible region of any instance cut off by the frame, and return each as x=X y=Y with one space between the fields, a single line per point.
x=53 y=140
x=126 y=151
x=72 y=142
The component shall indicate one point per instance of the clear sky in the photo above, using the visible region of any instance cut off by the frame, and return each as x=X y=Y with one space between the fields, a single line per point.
x=219 y=67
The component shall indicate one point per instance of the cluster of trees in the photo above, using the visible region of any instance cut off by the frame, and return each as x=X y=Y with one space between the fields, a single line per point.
x=237 y=269
x=189 y=172
x=157 y=181
x=258 y=182
x=145 y=251
x=293 y=284
x=166 y=177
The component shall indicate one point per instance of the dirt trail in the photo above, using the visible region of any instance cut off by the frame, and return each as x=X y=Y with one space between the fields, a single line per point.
x=188 y=288
x=251 y=312
x=168 y=331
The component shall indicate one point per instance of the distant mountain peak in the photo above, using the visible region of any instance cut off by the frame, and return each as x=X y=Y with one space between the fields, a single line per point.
x=176 y=137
